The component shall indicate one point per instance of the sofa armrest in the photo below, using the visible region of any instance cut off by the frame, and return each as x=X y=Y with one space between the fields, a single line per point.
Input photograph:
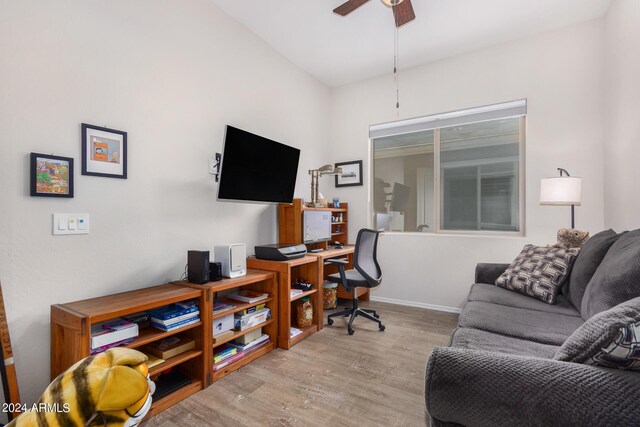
x=483 y=388
x=489 y=273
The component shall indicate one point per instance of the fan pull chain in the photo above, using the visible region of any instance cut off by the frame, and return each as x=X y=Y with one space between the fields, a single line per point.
x=395 y=70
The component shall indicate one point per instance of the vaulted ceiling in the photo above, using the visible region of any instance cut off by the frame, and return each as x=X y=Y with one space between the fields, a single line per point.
x=339 y=50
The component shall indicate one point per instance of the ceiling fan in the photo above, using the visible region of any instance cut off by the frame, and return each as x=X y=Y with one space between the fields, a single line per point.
x=402 y=9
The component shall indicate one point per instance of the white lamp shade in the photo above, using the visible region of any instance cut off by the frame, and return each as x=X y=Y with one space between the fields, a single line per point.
x=561 y=191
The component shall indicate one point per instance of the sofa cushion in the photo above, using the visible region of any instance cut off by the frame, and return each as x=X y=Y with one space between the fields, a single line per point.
x=591 y=255
x=546 y=328
x=539 y=271
x=476 y=339
x=610 y=338
x=617 y=279
x=496 y=295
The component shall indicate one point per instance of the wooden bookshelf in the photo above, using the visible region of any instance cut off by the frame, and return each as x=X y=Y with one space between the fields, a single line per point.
x=71 y=333
x=287 y=271
x=290 y=223
x=264 y=281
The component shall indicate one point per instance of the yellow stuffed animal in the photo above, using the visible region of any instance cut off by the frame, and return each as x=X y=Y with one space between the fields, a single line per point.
x=109 y=389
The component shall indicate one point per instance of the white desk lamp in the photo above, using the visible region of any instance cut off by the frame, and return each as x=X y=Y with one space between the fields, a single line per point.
x=562 y=191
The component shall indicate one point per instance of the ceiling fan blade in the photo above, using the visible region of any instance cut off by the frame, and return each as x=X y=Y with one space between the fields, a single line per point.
x=348 y=7
x=403 y=13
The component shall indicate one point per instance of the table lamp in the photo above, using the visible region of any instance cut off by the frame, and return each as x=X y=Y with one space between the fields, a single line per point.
x=563 y=190
x=315 y=174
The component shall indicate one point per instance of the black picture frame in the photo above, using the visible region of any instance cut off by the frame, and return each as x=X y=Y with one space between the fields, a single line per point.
x=354 y=166
x=38 y=175
x=109 y=166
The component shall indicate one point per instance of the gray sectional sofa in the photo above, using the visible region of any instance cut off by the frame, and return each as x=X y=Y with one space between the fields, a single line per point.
x=514 y=360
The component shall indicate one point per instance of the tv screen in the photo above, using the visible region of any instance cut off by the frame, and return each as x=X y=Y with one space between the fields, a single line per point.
x=257 y=169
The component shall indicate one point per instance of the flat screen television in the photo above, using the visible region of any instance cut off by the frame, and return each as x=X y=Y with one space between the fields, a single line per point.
x=257 y=169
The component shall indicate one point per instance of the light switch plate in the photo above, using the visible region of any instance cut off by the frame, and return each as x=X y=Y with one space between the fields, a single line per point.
x=71 y=224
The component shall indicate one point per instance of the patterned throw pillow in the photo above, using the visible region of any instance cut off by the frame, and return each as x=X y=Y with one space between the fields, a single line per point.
x=623 y=352
x=539 y=271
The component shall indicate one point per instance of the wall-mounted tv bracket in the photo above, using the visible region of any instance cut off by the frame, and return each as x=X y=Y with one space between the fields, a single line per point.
x=217 y=166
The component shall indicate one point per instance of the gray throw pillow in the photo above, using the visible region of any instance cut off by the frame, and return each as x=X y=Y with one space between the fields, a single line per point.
x=591 y=255
x=539 y=271
x=617 y=279
x=609 y=338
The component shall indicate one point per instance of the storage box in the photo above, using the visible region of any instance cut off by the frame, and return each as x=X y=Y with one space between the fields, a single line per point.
x=249 y=336
x=223 y=324
x=250 y=320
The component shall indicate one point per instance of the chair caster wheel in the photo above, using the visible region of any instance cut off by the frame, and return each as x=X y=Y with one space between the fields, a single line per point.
x=330 y=321
x=350 y=331
x=382 y=327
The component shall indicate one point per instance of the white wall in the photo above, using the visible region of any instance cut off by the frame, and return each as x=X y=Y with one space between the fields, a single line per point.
x=622 y=131
x=171 y=75
x=560 y=73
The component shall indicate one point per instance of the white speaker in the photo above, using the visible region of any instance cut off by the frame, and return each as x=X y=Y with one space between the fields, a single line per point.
x=233 y=258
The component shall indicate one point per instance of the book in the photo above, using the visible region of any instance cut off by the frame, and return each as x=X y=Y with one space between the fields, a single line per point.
x=252 y=309
x=294 y=332
x=239 y=355
x=221 y=307
x=101 y=335
x=248 y=295
x=187 y=304
x=108 y=346
x=175 y=326
x=222 y=357
x=169 y=347
x=170 y=382
x=257 y=346
x=244 y=347
x=295 y=292
x=223 y=335
x=171 y=311
x=141 y=319
x=153 y=360
x=175 y=320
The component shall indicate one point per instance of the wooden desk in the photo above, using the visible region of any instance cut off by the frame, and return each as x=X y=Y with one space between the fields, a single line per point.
x=306 y=268
x=325 y=270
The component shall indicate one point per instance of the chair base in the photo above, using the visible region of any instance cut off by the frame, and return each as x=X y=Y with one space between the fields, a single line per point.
x=354 y=312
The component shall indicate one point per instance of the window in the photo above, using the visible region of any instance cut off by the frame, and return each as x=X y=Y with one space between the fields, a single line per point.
x=454 y=172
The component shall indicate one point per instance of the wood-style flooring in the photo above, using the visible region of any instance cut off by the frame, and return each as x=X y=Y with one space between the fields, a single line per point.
x=333 y=379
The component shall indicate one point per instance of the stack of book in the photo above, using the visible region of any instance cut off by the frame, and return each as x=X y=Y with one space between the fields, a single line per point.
x=295 y=292
x=111 y=334
x=175 y=316
x=169 y=347
x=253 y=345
x=248 y=295
x=228 y=359
x=221 y=307
x=293 y=332
x=224 y=353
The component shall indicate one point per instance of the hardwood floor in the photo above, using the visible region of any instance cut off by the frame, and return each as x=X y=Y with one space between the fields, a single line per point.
x=331 y=379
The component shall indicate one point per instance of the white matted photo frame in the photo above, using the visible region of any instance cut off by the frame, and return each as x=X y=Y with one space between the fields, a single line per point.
x=351 y=174
x=104 y=152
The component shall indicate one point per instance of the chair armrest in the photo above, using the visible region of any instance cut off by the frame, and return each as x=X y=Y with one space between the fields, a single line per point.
x=489 y=273
x=483 y=388
x=337 y=261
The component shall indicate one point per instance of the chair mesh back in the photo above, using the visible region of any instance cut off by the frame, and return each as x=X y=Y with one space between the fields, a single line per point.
x=365 y=256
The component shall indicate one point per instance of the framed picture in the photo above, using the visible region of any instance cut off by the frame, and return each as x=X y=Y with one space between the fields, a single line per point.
x=104 y=152
x=351 y=174
x=51 y=176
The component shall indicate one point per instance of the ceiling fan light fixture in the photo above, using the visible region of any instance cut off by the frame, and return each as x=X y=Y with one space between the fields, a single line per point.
x=391 y=3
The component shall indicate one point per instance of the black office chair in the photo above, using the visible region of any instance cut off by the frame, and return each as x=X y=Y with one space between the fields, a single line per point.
x=366 y=273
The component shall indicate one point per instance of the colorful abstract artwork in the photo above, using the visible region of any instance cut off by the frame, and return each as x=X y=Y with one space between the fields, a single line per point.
x=51 y=176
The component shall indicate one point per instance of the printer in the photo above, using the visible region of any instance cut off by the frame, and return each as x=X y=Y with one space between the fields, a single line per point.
x=280 y=252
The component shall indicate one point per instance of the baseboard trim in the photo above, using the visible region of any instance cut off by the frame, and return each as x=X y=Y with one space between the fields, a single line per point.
x=417 y=304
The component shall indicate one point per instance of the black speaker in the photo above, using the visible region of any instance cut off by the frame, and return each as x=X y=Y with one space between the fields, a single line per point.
x=215 y=271
x=198 y=267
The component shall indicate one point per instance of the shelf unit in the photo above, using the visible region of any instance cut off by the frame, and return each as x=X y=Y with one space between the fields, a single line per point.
x=290 y=223
x=71 y=334
x=287 y=271
x=264 y=281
